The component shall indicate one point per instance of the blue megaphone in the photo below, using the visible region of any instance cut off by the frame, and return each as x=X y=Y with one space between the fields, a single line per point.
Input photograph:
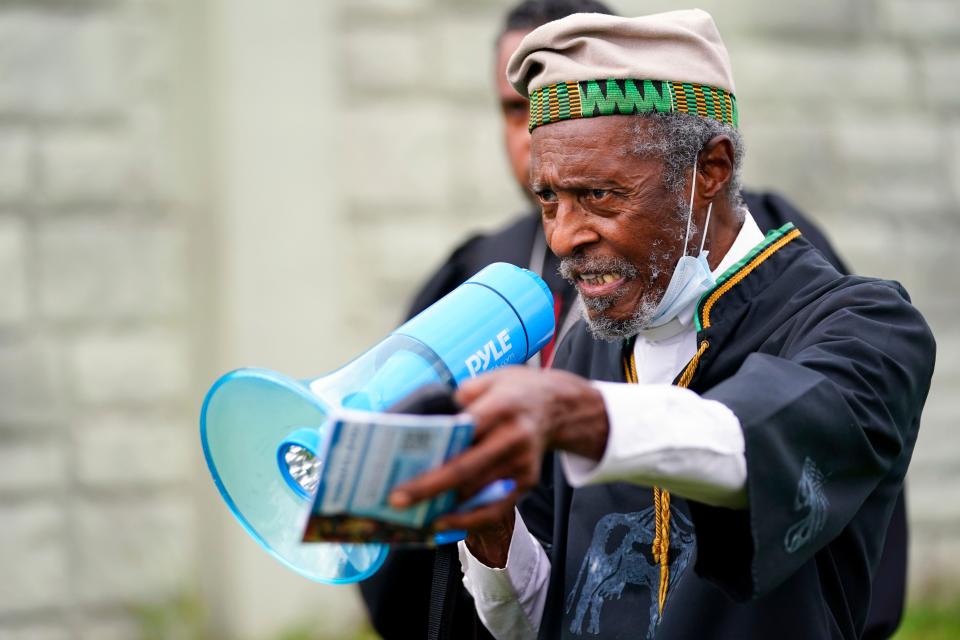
x=261 y=430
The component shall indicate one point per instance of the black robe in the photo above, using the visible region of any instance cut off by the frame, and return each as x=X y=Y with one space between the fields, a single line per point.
x=397 y=596
x=827 y=375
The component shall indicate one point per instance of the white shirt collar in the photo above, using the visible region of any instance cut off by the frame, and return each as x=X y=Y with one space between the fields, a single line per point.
x=748 y=237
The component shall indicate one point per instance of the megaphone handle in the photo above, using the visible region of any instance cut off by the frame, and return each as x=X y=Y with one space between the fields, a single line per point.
x=496 y=490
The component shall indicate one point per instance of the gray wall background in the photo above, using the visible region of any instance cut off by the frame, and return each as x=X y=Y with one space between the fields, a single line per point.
x=191 y=186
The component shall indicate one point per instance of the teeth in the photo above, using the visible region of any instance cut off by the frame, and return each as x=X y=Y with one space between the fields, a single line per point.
x=599 y=278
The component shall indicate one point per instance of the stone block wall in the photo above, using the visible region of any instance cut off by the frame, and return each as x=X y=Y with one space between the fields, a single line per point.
x=96 y=445
x=425 y=158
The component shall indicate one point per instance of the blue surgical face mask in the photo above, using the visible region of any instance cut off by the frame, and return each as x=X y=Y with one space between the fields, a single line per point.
x=691 y=278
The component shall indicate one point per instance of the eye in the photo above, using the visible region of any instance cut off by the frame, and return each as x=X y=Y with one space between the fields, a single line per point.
x=598 y=194
x=546 y=196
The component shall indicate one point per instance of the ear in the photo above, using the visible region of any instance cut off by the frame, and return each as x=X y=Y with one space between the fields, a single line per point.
x=716 y=167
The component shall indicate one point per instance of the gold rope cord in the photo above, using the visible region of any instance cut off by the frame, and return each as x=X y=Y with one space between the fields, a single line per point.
x=743 y=273
x=661 y=498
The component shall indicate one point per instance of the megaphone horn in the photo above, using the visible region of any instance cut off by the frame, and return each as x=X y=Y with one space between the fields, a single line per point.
x=261 y=431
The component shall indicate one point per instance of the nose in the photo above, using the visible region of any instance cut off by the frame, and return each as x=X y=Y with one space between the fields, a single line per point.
x=569 y=229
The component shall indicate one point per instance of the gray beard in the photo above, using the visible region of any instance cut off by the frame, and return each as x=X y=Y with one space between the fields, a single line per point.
x=610 y=329
x=603 y=327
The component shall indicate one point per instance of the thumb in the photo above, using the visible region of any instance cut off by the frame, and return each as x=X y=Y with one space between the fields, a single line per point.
x=472 y=389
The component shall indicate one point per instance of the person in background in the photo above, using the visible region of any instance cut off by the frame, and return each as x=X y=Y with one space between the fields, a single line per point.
x=397 y=597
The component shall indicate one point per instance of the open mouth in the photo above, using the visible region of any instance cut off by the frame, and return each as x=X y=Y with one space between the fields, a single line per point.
x=599 y=284
x=600 y=280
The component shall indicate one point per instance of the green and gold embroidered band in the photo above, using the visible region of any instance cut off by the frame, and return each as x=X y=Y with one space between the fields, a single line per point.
x=591 y=98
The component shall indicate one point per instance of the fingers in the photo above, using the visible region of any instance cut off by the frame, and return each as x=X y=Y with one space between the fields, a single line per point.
x=488 y=411
x=511 y=376
x=473 y=469
x=508 y=453
x=495 y=397
x=474 y=388
x=483 y=517
x=426 y=486
x=508 y=442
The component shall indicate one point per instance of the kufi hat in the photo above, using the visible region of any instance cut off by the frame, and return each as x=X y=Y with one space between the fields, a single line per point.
x=590 y=64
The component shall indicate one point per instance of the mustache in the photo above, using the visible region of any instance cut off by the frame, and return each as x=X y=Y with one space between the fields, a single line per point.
x=571 y=267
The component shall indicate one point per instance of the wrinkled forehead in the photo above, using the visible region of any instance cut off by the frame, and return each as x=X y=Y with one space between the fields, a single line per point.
x=596 y=149
x=611 y=138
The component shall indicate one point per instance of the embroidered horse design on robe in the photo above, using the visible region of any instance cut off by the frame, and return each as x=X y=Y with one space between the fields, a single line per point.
x=608 y=567
x=810 y=495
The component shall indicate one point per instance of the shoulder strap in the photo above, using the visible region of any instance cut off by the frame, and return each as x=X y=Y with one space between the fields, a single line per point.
x=443 y=592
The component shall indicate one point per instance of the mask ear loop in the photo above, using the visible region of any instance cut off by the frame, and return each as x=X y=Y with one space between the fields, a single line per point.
x=706 y=225
x=693 y=187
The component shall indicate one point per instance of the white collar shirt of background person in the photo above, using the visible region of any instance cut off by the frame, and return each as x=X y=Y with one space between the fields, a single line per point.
x=700 y=457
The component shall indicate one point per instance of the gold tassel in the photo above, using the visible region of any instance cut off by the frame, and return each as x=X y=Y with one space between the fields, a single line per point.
x=661 y=541
x=661 y=498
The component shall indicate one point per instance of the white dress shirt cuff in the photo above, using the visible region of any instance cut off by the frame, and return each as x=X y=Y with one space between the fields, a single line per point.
x=510 y=600
x=670 y=437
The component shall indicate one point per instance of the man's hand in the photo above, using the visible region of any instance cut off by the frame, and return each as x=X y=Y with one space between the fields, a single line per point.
x=519 y=413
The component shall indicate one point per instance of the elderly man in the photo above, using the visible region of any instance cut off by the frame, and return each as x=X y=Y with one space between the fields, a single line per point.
x=750 y=497
x=521 y=241
x=398 y=596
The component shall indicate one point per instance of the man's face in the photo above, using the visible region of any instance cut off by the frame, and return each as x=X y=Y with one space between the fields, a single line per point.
x=515 y=110
x=608 y=216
